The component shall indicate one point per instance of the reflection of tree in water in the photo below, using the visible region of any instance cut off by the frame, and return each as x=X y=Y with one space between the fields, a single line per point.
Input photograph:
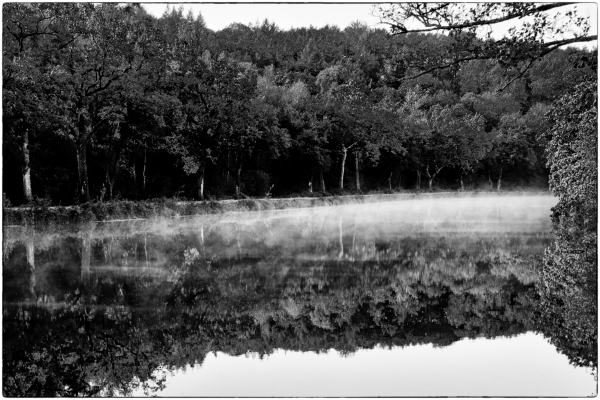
x=112 y=332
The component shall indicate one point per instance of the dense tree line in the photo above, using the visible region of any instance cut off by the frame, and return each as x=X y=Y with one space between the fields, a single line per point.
x=570 y=274
x=104 y=101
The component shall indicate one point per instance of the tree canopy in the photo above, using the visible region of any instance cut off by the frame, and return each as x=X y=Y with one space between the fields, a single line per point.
x=104 y=101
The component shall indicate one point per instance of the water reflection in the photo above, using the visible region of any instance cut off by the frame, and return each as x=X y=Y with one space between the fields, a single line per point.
x=104 y=308
x=466 y=368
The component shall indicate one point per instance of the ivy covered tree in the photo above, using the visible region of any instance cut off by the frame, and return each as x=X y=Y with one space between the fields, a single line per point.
x=570 y=272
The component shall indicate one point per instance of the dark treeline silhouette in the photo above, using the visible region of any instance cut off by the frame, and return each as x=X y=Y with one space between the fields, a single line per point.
x=104 y=101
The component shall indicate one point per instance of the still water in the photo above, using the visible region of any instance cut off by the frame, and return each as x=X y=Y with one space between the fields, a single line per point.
x=432 y=297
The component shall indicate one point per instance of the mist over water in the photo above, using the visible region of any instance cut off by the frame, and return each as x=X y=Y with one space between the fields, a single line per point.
x=346 y=279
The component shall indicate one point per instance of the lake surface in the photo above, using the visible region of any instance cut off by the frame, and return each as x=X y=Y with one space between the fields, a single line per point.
x=430 y=297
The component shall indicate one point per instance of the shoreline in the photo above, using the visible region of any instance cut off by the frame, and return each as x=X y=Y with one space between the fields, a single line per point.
x=129 y=210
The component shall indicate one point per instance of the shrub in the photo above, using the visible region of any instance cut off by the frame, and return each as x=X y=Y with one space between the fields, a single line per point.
x=256 y=183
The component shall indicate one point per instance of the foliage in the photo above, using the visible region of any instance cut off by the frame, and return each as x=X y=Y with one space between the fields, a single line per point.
x=114 y=103
x=570 y=274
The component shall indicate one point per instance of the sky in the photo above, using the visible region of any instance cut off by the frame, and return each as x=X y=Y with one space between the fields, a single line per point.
x=285 y=15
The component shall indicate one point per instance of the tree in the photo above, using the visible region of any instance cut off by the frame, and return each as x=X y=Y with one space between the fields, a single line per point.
x=466 y=140
x=245 y=121
x=28 y=31
x=467 y=25
x=512 y=144
x=570 y=272
x=114 y=45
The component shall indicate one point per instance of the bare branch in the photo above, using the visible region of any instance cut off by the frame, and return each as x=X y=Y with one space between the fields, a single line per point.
x=422 y=17
x=518 y=76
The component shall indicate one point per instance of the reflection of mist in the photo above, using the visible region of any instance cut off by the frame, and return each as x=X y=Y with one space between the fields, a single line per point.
x=86 y=252
x=30 y=254
x=414 y=235
x=409 y=272
x=341 y=254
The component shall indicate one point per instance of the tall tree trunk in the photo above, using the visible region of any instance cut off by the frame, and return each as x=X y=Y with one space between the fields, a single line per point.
x=390 y=180
x=399 y=179
x=344 y=155
x=418 y=179
x=238 y=180
x=134 y=176
x=144 y=170
x=83 y=191
x=499 y=180
x=227 y=170
x=431 y=177
x=111 y=185
x=356 y=155
x=26 y=168
x=201 y=179
x=322 y=181
x=490 y=180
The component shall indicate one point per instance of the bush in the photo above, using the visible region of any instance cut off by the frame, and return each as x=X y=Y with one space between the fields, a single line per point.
x=256 y=183
x=5 y=201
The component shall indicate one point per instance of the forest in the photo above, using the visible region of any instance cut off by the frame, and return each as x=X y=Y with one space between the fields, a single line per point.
x=119 y=113
x=106 y=102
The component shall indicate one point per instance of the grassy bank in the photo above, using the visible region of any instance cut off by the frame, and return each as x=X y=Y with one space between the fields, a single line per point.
x=40 y=213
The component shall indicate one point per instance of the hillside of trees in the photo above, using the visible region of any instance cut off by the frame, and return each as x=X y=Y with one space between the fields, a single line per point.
x=105 y=101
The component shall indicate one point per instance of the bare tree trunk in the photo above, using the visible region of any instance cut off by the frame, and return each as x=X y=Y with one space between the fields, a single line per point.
x=429 y=178
x=201 y=180
x=26 y=168
x=400 y=180
x=344 y=155
x=227 y=165
x=499 y=180
x=111 y=184
x=390 y=180
x=144 y=170
x=322 y=181
x=238 y=180
x=432 y=176
x=490 y=180
x=134 y=176
x=83 y=191
x=418 y=179
x=356 y=155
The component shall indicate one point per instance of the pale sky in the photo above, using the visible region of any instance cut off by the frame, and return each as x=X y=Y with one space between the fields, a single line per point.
x=285 y=15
